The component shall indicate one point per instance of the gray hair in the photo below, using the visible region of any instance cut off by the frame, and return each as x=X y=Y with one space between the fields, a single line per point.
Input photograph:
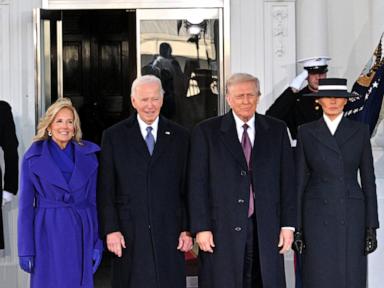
x=146 y=79
x=241 y=78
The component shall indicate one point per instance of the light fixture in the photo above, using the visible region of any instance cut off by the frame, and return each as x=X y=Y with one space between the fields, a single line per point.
x=194 y=29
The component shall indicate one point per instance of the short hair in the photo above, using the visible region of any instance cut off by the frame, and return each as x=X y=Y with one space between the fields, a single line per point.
x=143 y=80
x=165 y=50
x=47 y=119
x=241 y=78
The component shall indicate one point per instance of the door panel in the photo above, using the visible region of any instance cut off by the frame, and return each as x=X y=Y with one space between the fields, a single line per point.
x=98 y=67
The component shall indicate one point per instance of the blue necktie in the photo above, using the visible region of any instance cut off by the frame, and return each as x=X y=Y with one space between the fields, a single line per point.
x=150 y=140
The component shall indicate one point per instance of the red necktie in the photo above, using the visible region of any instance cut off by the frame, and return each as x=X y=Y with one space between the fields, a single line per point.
x=247 y=149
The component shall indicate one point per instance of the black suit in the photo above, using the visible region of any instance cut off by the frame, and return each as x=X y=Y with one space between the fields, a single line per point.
x=142 y=196
x=8 y=143
x=219 y=198
x=294 y=109
x=334 y=209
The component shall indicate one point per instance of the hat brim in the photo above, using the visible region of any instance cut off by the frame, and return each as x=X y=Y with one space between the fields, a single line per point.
x=330 y=94
x=317 y=69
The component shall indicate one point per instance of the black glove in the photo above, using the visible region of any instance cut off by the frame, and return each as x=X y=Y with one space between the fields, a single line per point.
x=370 y=241
x=298 y=243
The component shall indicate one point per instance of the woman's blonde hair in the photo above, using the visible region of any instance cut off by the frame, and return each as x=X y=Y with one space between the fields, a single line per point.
x=47 y=119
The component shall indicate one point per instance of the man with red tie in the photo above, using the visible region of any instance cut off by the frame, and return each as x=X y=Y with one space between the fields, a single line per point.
x=241 y=193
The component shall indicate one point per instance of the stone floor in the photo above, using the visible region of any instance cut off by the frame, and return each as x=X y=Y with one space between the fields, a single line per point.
x=102 y=276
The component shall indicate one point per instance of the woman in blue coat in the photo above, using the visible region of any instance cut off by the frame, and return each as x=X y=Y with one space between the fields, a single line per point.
x=58 y=239
x=337 y=213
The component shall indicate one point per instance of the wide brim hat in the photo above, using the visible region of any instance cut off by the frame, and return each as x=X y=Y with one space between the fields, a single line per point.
x=331 y=87
x=315 y=65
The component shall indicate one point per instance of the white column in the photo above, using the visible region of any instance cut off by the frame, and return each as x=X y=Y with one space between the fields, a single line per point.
x=17 y=88
x=312 y=30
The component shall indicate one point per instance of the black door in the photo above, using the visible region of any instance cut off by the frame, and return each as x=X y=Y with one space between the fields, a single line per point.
x=99 y=66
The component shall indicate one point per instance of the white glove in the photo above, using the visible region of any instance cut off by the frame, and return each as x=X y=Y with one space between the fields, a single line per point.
x=298 y=81
x=7 y=197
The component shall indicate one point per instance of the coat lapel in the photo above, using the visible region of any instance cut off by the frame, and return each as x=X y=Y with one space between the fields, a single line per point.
x=85 y=166
x=261 y=129
x=164 y=137
x=135 y=138
x=45 y=167
x=323 y=135
x=345 y=131
x=230 y=139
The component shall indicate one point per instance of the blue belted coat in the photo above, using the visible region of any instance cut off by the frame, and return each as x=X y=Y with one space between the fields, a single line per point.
x=57 y=221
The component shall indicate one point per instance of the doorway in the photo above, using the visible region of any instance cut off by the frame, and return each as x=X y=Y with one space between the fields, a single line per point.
x=99 y=66
x=93 y=56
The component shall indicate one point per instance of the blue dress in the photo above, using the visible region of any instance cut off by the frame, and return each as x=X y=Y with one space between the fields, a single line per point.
x=57 y=221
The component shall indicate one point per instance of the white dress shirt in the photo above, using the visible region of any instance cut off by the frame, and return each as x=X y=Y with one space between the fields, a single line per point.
x=333 y=124
x=240 y=129
x=143 y=127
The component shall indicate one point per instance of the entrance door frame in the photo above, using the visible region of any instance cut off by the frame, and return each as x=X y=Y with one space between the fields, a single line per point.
x=223 y=5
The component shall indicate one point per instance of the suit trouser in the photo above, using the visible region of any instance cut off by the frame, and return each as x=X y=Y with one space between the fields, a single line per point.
x=252 y=273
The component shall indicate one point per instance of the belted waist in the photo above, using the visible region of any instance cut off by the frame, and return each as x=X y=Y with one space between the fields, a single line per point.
x=47 y=203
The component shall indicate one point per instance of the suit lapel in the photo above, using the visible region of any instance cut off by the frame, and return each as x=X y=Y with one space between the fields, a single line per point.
x=164 y=136
x=323 y=135
x=230 y=139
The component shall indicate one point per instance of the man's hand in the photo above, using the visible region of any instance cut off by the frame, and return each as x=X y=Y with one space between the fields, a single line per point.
x=205 y=241
x=115 y=243
x=298 y=81
x=7 y=197
x=285 y=240
x=185 y=242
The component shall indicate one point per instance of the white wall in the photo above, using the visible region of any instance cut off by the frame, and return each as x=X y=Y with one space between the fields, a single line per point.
x=16 y=87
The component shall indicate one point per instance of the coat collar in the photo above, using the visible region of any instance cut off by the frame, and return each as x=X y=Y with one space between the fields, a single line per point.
x=165 y=134
x=43 y=164
x=343 y=133
x=323 y=135
x=231 y=140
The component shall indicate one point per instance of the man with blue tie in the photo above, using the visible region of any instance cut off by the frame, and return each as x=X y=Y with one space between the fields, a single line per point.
x=141 y=194
x=241 y=193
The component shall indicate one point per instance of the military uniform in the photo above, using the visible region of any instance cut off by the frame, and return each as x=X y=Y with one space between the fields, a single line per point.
x=294 y=109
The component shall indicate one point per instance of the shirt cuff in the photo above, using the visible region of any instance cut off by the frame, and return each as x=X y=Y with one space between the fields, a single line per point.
x=289 y=228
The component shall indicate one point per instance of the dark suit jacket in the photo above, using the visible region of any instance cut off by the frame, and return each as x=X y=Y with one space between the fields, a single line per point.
x=8 y=143
x=334 y=209
x=219 y=197
x=142 y=196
